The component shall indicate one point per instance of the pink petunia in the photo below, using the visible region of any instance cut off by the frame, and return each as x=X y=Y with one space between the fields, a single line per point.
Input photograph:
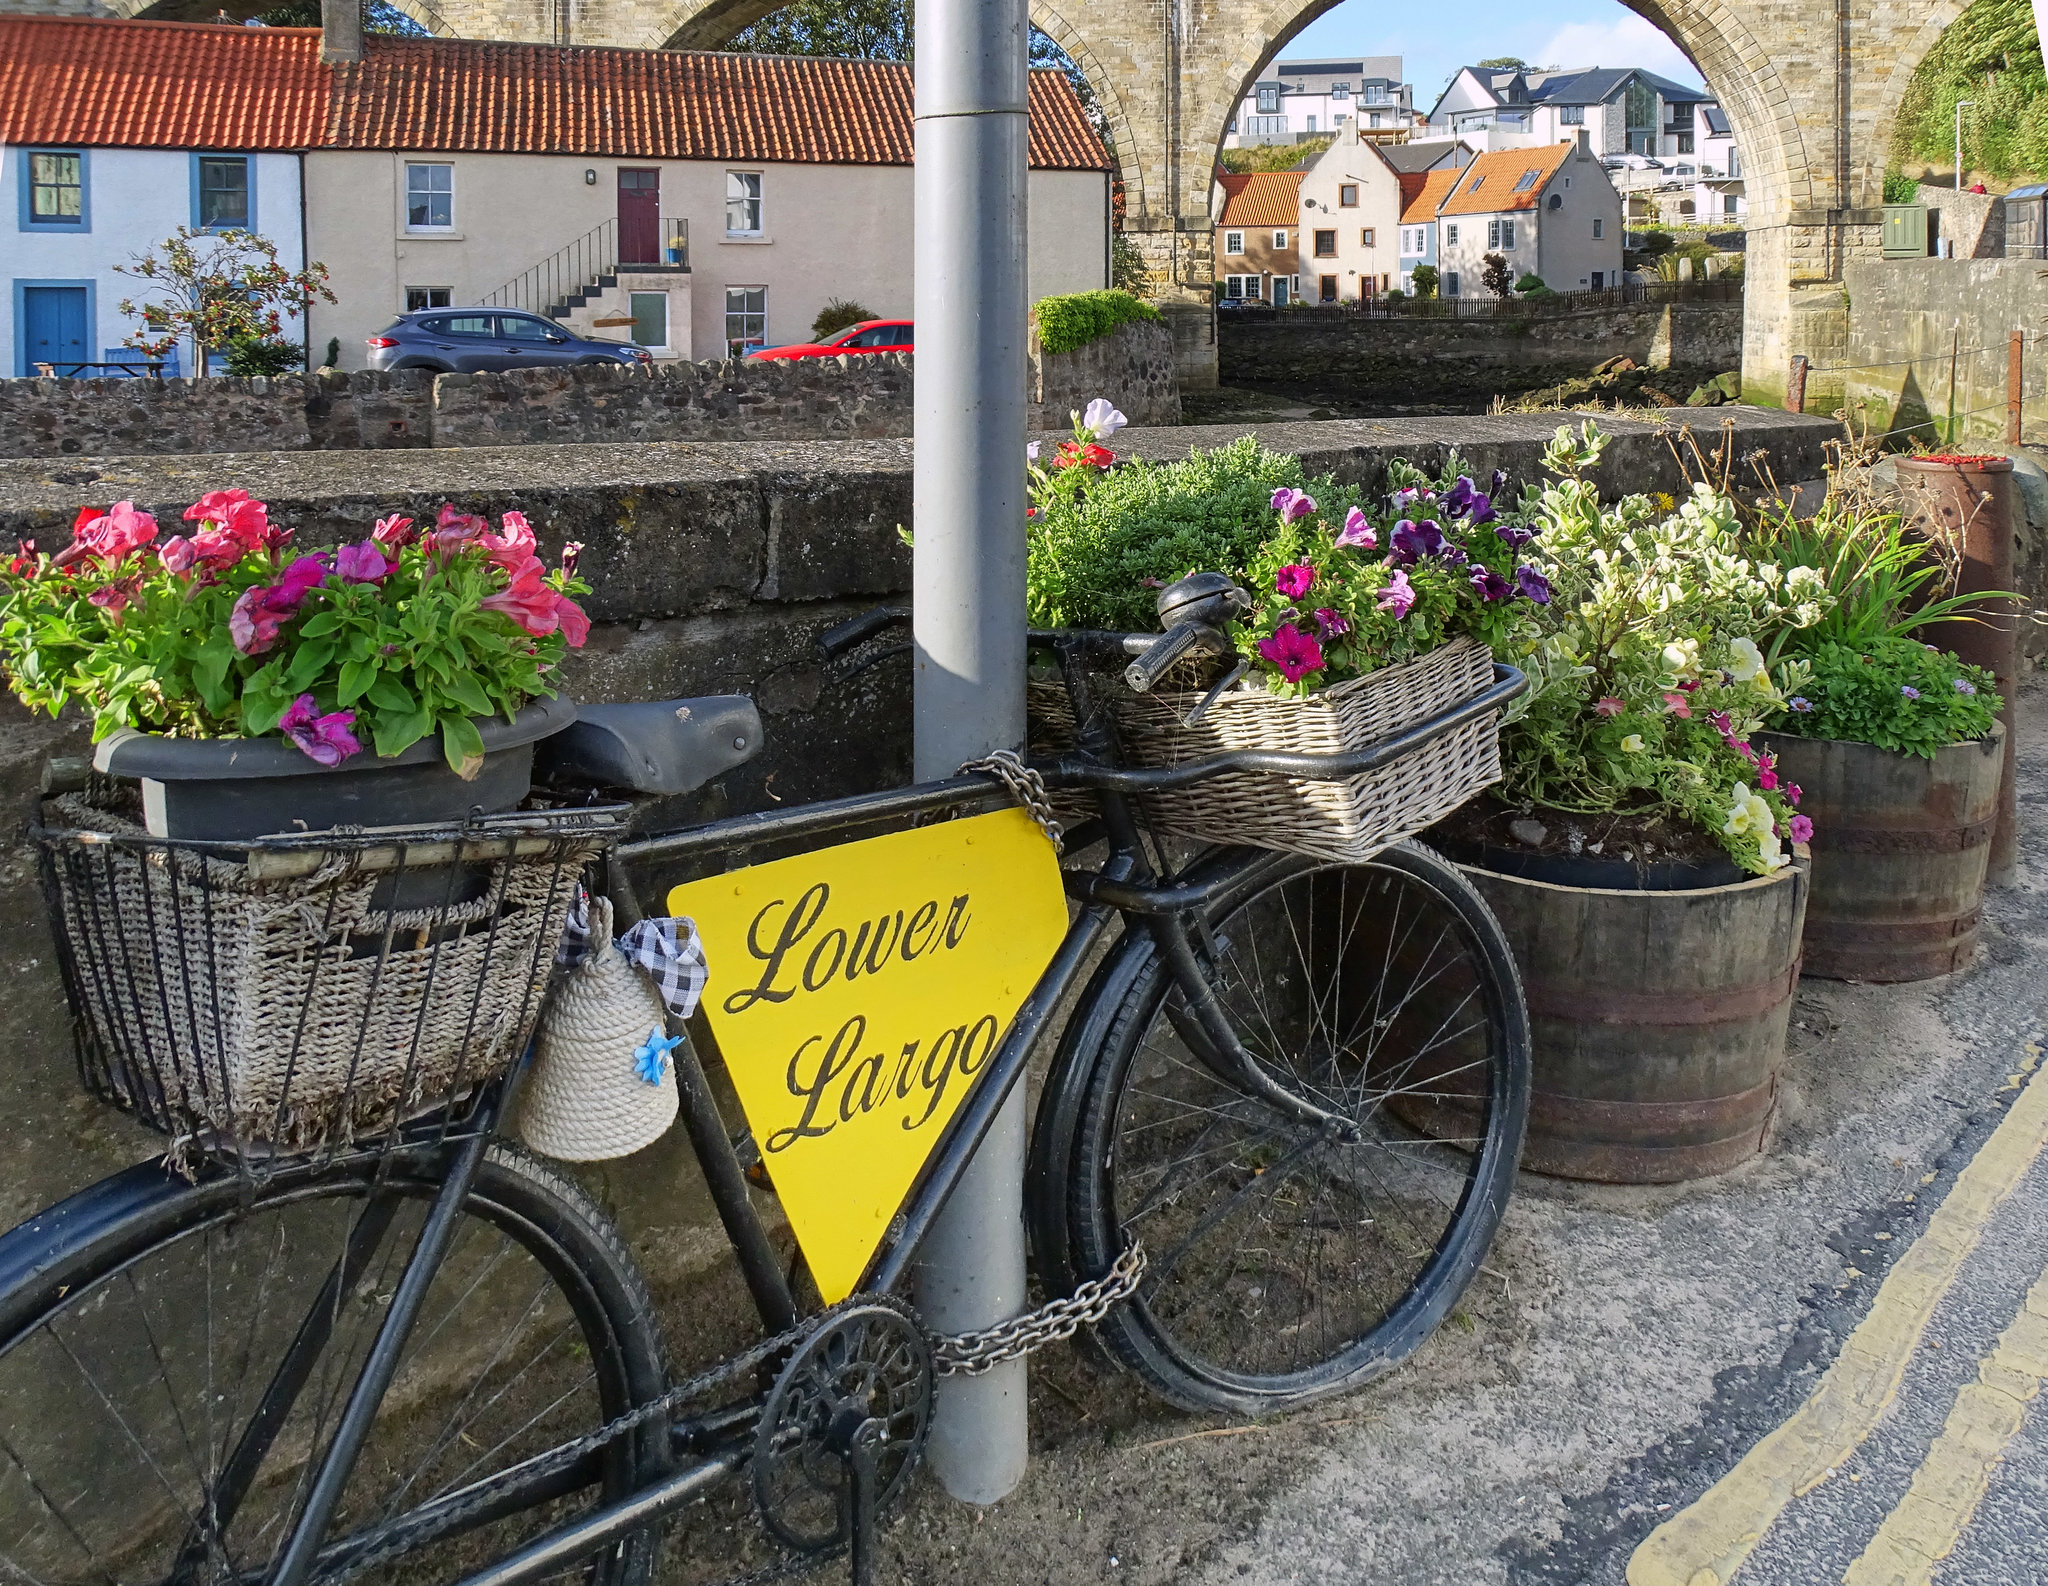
x=303 y=576
x=326 y=739
x=1295 y=580
x=1357 y=532
x=393 y=534
x=539 y=609
x=1802 y=828
x=361 y=564
x=1295 y=654
x=1677 y=705
x=1292 y=504
x=1610 y=706
x=254 y=622
x=1792 y=794
x=1398 y=596
x=572 y=553
x=455 y=531
x=513 y=549
x=236 y=514
x=111 y=536
x=178 y=554
x=113 y=598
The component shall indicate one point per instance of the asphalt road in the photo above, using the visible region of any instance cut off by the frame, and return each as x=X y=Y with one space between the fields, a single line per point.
x=1638 y=1387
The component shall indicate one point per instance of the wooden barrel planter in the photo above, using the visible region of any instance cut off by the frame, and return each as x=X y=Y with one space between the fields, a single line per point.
x=1658 y=1020
x=1900 y=850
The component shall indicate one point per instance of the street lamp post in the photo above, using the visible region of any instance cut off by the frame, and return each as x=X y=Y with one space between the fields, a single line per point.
x=1960 y=103
x=968 y=588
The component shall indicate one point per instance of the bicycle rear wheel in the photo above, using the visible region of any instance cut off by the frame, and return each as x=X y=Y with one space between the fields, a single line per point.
x=173 y=1356
x=1285 y=1263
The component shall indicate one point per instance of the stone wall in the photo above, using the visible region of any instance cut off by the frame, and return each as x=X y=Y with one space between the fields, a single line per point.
x=715 y=567
x=1906 y=316
x=1323 y=348
x=845 y=398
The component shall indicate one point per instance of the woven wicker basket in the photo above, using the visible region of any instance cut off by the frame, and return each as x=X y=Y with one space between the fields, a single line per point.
x=277 y=1016
x=1349 y=820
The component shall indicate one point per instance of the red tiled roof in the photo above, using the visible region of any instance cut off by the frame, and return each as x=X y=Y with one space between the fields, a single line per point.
x=160 y=84
x=455 y=94
x=1490 y=180
x=185 y=85
x=1421 y=192
x=1260 y=198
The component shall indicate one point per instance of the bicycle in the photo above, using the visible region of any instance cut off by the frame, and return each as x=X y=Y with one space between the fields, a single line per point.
x=421 y=1352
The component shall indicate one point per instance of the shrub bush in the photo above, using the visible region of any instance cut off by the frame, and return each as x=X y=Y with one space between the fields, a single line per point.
x=249 y=355
x=1091 y=555
x=1896 y=693
x=1078 y=318
x=837 y=315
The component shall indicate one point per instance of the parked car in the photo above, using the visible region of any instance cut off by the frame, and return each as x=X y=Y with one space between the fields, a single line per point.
x=870 y=335
x=467 y=340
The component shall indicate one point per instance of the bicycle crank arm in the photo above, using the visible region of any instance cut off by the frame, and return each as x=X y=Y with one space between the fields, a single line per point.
x=557 y=1549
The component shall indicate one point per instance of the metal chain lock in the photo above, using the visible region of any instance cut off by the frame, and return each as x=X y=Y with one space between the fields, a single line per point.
x=971 y=1354
x=1026 y=786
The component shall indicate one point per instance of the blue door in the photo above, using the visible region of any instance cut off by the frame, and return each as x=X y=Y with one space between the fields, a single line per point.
x=54 y=330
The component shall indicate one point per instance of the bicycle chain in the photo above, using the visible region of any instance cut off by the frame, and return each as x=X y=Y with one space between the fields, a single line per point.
x=1026 y=786
x=971 y=1354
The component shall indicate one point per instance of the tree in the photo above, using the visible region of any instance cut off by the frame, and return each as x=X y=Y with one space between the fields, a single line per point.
x=1505 y=63
x=1495 y=275
x=873 y=30
x=216 y=288
x=1128 y=271
x=1274 y=156
x=379 y=16
x=1423 y=278
x=837 y=315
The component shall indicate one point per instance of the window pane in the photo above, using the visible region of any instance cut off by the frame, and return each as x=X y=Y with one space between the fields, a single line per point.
x=419 y=297
x=743 y=201
x=464 y=325
x=650 y=318
x=746 y=318
x=517 y=327
x=430 y=195
x=223 y=192
x=57 y=191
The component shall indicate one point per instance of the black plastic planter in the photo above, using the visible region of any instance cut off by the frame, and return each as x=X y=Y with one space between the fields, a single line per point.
x=228 y=789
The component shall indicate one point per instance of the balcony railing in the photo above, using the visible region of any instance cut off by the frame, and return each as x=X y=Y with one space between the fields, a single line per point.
x=577 y=271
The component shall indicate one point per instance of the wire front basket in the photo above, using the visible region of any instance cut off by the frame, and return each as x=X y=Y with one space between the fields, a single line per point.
x=293 y=995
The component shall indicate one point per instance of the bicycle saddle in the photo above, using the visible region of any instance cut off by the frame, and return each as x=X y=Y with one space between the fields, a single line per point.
x=653 y=746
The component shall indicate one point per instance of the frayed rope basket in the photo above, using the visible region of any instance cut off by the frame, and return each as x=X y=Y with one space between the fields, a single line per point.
x=1348 y=820
x=272 y=1016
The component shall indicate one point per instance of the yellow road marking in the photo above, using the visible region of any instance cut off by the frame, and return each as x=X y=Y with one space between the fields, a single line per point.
x=1952 y=1479
x=1707 y=1543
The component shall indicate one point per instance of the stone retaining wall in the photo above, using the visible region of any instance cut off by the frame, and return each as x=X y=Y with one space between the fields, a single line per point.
x=715 y=567
x=1448 y=359
x=844 y=398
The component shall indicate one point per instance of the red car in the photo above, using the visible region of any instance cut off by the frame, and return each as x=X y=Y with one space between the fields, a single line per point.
x=870 y=335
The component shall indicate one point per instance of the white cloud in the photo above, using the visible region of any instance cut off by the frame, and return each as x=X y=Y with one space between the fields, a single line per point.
x=1628 y=40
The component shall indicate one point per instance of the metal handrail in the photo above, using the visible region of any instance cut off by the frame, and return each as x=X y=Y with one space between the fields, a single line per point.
x=579 y=265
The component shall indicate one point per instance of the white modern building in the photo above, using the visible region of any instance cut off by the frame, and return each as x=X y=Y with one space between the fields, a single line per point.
x=1550 y=212
x=1293 y=100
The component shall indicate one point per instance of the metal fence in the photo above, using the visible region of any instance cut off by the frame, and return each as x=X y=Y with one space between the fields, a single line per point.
x=1628 y=295
x=577 y=271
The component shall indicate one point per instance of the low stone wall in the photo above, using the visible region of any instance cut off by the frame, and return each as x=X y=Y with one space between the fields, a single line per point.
x=845 y=398
x=1907 y=317
x=714 y=567
x=1332 y=347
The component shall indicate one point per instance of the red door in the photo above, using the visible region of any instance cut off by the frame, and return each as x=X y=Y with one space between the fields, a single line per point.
x=639 y=217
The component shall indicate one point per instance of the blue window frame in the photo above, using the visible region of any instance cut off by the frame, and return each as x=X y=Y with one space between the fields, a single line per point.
x=56 y=190
x=55 y=308
x=223 y=192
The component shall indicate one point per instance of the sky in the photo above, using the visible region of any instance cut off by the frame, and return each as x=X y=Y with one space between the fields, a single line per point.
x=1549 y=33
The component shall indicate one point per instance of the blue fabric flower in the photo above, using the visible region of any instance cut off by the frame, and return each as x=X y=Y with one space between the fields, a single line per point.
x=650 y=1062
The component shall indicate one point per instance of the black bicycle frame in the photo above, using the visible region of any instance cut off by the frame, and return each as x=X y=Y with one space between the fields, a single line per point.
x=1122 y=886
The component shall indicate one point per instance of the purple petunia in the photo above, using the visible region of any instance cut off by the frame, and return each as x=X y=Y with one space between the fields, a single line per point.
x=1357 y=533
x=326 y=739
x=1965 y=686
x=1514 y=534
x=1491 y=585
x=1329 y=624
x=1412 y=541
x=1292 y=504
x=361 y=564
x=1294 y=580
x=1533 y=584
x=1398 y=596
x=1499 y=481
x=1909 y=691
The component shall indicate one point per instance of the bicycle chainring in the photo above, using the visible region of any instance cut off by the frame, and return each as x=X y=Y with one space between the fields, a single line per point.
x=866 y=1359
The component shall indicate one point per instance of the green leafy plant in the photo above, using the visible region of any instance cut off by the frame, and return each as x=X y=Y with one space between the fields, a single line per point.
x=1895 y=693
x=216 y=288
x=225 y=634
x=1424 y=279
x=1990 y=55
x=1496 y=275
x=1076 y=319
x=1274 y=156
x=1646 y=675
x=1899 y=188
x=250 y=355
x=837 y=315
x=1531 y=282
x=1128 y=271
x=1098 y=555
x=332 y=357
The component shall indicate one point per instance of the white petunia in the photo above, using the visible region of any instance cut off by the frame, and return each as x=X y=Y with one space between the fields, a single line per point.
x=1101 y=419
x=1747 y=660
x=1633 y=743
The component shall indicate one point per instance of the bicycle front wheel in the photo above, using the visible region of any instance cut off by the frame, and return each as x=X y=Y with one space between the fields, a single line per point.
x=174 y=1357
x=1286 y=1263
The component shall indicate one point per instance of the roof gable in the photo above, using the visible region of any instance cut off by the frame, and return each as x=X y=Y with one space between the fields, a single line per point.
x=1260 y=198
x=1419 y=203
x=1506 y=180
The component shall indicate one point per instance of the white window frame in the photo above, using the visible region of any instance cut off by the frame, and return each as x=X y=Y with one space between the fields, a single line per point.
x=1368 y=236
x=1233 y=242
x=430 y=227
x=1450 y=236
x=1279 y=239
x=1507 y=236
x=744 y=312
x=427 y=294
x=1450 y=283
x=1235 y=289
x=744 y=189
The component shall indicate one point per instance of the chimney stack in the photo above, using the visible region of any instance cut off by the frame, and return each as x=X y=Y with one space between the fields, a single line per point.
x=1585 y=138
x=341 y=31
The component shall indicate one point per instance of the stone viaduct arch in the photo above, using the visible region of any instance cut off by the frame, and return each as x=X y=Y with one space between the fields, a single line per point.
x=1812 y=88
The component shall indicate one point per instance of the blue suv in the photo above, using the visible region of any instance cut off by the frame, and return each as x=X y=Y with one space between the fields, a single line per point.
x=470 y=340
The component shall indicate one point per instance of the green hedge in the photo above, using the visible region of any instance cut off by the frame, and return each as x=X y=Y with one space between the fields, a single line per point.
x=1078 y=318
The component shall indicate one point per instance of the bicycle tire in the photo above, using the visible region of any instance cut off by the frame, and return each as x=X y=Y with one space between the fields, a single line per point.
x=1220 y=1320
x=140 y=1318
